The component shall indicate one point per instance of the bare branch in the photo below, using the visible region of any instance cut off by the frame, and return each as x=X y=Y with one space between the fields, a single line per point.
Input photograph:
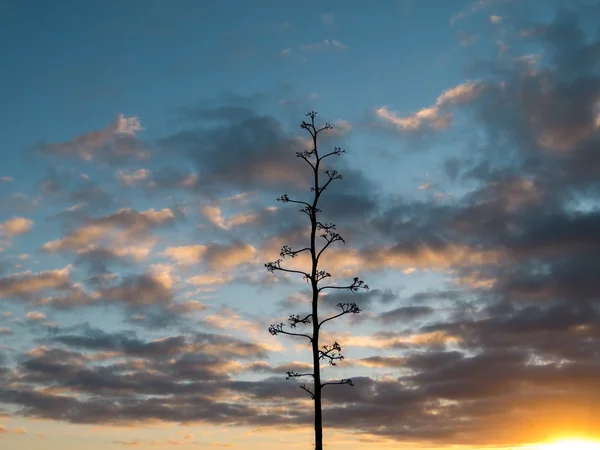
x=308 y=390
x=337 y=151
x=295 y=319
x=287 y=251
x=343 y=381
x=310 y=126
x=306 y=155
x=291 y=374
x=347 y=308
x=333 y=175
x=354 y=287
x=325 y=226
x=321 y=275
x=327 y=126
x=286 y=199
x=331 y=353
x=276 y=266
x=277 y=328
x=330 y=236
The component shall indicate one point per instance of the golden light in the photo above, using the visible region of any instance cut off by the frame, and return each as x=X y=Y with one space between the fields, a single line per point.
x=568 y=444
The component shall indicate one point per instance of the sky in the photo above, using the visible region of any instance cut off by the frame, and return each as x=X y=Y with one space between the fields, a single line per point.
x=142 y=149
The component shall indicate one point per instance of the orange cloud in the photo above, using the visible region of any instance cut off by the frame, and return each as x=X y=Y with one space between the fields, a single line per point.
x=209 y=278
x=390 y=340
x=117 y=232
x=15 y=226
x=219 y=257
x=35 y=316
x=436 y=117
x=214 y=215
x=24 y=283
x=186 y=254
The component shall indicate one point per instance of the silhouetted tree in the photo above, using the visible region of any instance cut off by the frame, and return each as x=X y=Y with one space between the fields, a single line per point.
x=330 y=353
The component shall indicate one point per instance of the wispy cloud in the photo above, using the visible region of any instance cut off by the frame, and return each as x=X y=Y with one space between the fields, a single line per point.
x=437 y=117
x=115 y=141
x=324 y=45
x=474 y=7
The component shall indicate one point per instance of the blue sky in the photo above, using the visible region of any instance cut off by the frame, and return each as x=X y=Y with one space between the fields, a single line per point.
x=144 y=144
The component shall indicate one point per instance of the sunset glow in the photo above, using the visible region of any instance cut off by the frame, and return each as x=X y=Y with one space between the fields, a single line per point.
x=568 y=444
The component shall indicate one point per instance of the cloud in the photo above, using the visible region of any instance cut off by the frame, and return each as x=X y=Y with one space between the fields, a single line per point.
x=35 y=316
x=186 y=254
x=6 y=179
x=138 y=291
x=235 y=148
x=210 y=279
x=117 y=141
x=474 y=7
x=391 y=340
x=436 y=117
x=405 y=314
x=466 y=38
x=15 y=226
x=133 y=177
x=214 y=215
x=216 y=256
x=340 y=127
x=25 y=284
x=324 y=45
x=382 y=361
x=17 y=430
x=124 y=227
x=495 y=19
x=145 y=291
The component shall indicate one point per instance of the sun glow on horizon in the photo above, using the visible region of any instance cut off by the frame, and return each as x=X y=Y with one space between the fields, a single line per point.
x=568 y=444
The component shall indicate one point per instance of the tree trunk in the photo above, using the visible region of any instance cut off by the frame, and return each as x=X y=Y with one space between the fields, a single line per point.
x=317 y=389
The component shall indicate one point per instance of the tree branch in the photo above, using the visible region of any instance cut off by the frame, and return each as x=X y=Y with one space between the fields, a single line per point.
x=295 y=319
x=285 y=199
x=287 y=251
x=343 y=381
x=331 y=353
x=347 y=308
x=321 y=275
x=327 y=126
x=276 y=329
x=354 y=287
x=292 y=374
x=333 y=175
x=308 y=390
x=337 y=151
x=306 y=155
x=276 y=265
x=330 y=236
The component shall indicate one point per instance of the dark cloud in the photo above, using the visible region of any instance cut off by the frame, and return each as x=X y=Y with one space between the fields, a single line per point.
x=405 y=314
x=240 y=151
x=234 y=146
